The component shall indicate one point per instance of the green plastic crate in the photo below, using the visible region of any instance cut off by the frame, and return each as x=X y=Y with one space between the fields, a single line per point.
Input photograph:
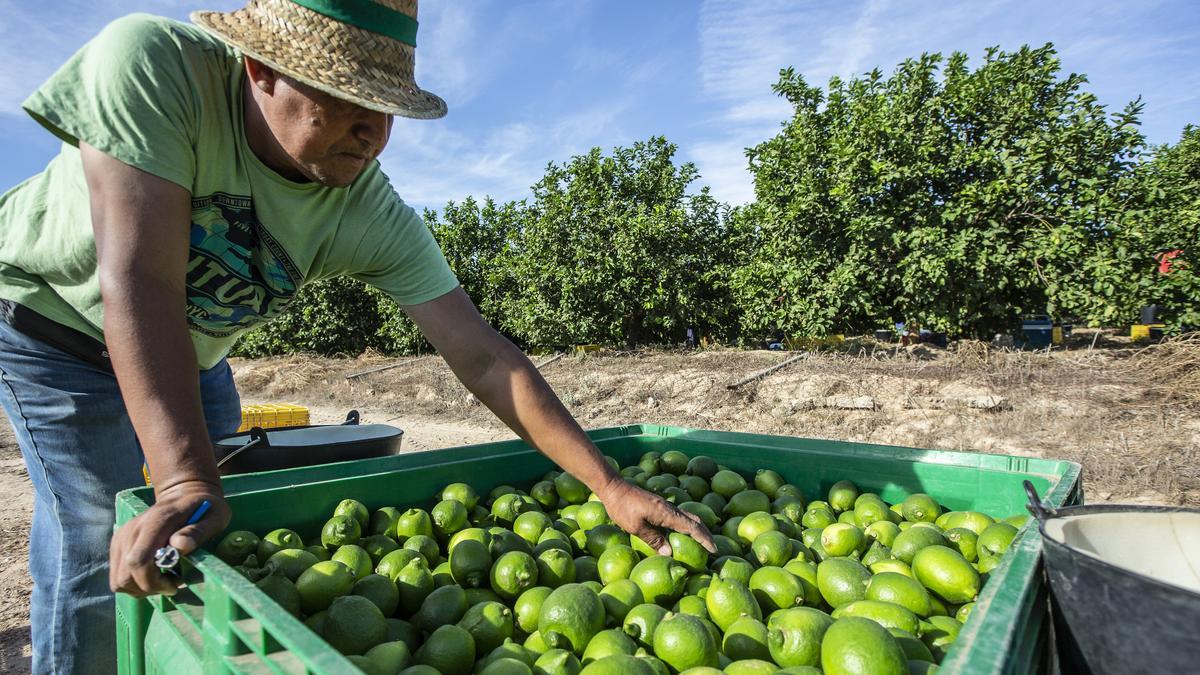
x=221 y=623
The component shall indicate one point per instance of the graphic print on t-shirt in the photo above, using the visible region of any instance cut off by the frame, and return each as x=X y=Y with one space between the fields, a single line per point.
x=238 y=275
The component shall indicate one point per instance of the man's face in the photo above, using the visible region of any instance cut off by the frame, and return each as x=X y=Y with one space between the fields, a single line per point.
x=321 y=138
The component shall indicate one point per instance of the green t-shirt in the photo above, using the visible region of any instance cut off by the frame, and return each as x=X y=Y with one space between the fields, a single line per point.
x=166 y=97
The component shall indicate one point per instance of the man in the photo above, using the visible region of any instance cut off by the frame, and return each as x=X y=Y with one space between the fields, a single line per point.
x=206 y=174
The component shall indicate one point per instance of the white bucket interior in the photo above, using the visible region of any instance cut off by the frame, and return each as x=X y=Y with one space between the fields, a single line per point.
x=1162 y=546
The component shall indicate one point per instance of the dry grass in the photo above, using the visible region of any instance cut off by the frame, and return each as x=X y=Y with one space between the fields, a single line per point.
x=1129 y=416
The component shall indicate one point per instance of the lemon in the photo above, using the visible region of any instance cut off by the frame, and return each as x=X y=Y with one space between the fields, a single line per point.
x=715 y=503
x=775 y=588
x=674 y=462
x=449 y=516
x=794 y=636
x=755 y=524
x=557 y=662
x=817 y=518
x=695 y=486
x=746 y=502
x=704 y=512
x=504 y=666
x=726 y=546
x=727 y=600
x=390 y=657
x=599 y=538
x=619 y=597
x=972 y=520
x=504 y=541
x=965 y=542
x=513 y=573
x=236 y=546
x=276 y=541
x=377 y=546
x=857 y=646
x=476 y=533
x=415 y=583
x=751 y=667
x=945 y=572
x=535 y=643
x=910 y=541
x=901 y=590
x=608 y=643
x=443 y=606
x=619 y=664
x=939 y=634
x=688 y=552
x=920 y=507
x=964 y=612
x=383 y=521
x=320 y=584
x=790 y=508
x=586 y=569
x=842 y=495
x=591 y=514
x=353 y=624
x=322 y=553
x=746 y=638
x=616 y=562
x=403 y=631
x=280 y=589
x=734 y=568
x=842 y=581
x=806 y=572
x=661 y=482
x=727 y=483
x=886 y=614
x=570 y=489
x=461 y=493
x=380 y=590
x=702 y=466
x=544 y=493
x=555 y=567
x=641 y=622
x=772 y=548
x=570 y=616
x=356 y=510
x=470 y=563
x=896 y=566
x=291 y=562
x=354 y=557
x=682 y=641
x=413 y=522
x=841 y=539
x=882 y=531
x=869 y=509
x=996 y=539
x=661 y=579
x=489 y=623
x=450 y=649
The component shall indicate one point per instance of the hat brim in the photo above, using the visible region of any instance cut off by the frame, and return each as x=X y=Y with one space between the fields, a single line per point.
x=368 y=87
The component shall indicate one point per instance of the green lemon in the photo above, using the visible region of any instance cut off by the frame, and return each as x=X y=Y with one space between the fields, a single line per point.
x=817 y=518
x=806 y=572
x=735 y=568
x=619 y=597
x=557 y=662
x=883 y=531
x=857 y=646
x=939 y=634
x=682 y=641
x=489 y=623
x=776 y=588
x=964 y=612
x=478 y=534
x=513 y=573
x=291 y=562
x=965 y=542
x=702 y=466
x=772 y=548
x=619 y=664
x=697 y=584
x=972 y=520
x=555 y=567
x=841 y=539
x=367 y=666
x=353 y=624
x=996 y=539
x=910 y=541
x=398 y=629
x=586 y=569
x=695 y=486
x=842 y=581
x=531 y=525
x=920 y=507
x=660 y=483
x=674 y=462
x=789 y=490
x=768 y=482
x=591 y=514
x=1017 y=521
x=869 y=509
x=746 y=638
x=842 y=495
x=946 y=573
x=504 y=541
x=755 y=524
x=691 y=604
x=461 y=493
x=599 y=538
x=875 y=553
x=535 y=643
x=897 y=566
x=901 y=590
x=726 y=546
x=661 y=579
x=688 y=552
x=450 y=649
x=746 y=502
x=886 y=614
x=641 y=622
x=443 y=606
x=507 y=507
x=449 y=516
x=570 y=616
x=236 y=546
x=354 y=557
x=322 y=553
x=383 y=521
x=715 y=503
x=280 y=589
x=442 y=575
x=794 y=636
x=847 y=517
x=616 y=562
x=751 y=667
x=727 y=600
x=276 y=541
x=426 y=546
x=704 y=512
x=470 y=563
x=913 y=648
x=570 y=489
x=504 y=666
x=608 y=643
x=413 y=522
x=355 y=509
x=727 y=483
x=377 y=546
x=415 y=583
x=320 y=584
x=528 y=606
x=544 y=493
x=380 y=590
x=790 y=508
x=390 y=657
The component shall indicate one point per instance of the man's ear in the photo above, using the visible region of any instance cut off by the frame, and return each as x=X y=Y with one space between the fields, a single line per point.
x=262 y=75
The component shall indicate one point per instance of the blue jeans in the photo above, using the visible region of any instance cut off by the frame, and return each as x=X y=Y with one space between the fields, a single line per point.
x=80 y=450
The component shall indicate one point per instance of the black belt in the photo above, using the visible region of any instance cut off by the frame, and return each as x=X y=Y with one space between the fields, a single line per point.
x=64 y=338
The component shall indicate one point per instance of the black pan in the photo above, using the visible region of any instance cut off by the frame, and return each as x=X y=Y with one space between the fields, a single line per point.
x=288 y=447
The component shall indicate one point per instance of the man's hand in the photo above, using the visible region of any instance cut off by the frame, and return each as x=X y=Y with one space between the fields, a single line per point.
x=131 y=557
x=650 y=517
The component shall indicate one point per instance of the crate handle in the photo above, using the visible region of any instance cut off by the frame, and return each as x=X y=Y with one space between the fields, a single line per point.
x=257 y=437
x=351 y=418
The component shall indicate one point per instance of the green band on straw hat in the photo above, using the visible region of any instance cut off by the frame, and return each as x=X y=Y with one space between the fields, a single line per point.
x=367 y=15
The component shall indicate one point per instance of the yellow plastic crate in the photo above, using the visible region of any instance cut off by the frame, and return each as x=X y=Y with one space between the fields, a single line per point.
x=1144 y=332
x=273 y=416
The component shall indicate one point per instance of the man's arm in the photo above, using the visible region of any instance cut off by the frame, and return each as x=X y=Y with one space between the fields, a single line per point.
x=142 y=226
x=505 y=381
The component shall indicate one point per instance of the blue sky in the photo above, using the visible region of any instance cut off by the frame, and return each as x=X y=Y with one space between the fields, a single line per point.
x=531 y=82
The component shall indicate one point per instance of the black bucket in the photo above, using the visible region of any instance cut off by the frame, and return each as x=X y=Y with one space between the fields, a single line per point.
x=290 y=447
x=1124 y=586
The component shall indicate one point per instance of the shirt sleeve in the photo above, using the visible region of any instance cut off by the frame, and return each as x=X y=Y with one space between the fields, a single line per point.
x=127 y=94
x=398 y=254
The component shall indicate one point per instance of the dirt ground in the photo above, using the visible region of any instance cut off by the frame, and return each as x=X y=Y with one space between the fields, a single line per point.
x=1130 y=416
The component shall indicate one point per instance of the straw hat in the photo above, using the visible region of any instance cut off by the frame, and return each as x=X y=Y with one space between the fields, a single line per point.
x=360 y=51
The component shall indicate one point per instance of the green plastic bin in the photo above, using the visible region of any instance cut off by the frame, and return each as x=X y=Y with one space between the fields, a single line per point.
x=221 y=623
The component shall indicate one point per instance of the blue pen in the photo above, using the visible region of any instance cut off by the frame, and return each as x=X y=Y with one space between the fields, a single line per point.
x=167 y=557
